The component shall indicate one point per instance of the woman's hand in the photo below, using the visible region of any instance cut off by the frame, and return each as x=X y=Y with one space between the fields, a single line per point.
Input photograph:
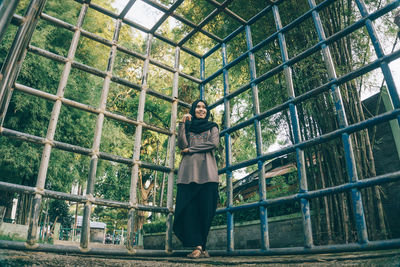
x=185 y=151
x=186 y=117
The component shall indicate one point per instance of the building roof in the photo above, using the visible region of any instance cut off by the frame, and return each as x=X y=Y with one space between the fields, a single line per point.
x=95 y=225
x=278 y=166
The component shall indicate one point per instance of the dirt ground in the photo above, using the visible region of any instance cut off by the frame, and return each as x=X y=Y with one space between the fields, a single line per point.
x=386 y=258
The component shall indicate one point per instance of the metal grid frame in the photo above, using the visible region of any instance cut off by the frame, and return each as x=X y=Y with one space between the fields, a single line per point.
x=21 y=46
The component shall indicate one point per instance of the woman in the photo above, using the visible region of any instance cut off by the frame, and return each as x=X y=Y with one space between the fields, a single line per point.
x=197 y=195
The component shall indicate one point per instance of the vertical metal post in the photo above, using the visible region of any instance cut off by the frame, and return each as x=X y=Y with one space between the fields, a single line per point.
x=44 y=163
x=394 y=95
x=341 y=116
x=7 y=9
x=136 y=151
x=257 y=128
x=228 y=156
x=202 y=77
x=17 y=52
x=171 y=162
x=85 y=235
x=301 y=170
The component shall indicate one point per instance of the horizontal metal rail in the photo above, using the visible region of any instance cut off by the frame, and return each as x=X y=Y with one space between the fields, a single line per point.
x=88 y=108
x=80 y=150
x=378 y=180
x=79 y=198
x=313 y=92
x=165 y=16
x=227 y=11
x=17 y=20
x=336 y=248
x=207 y=19
x=183 y=20
x=239 y=29
x=103 y=74
x=139 y=27
x=390 y=115
x=331 y=39
x=109 y=43
x=288 y=27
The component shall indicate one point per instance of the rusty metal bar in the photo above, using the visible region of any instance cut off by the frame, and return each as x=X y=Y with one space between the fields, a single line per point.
x=171 y=160
x=103 y=74
x=210 y=16
x=7 y=9
x=44 y=163
x=16 y=55
x=230 y=243
x=104 y=41
x=137 y=26
x=167 y=13
x=17 y=20
x=227 y=11
x=184 y=20
x=126 y=9
x=79 y=150
x=85 y=235
x=77 y=198
x=138 y=143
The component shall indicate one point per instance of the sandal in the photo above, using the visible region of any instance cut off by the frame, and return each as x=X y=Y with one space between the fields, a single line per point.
x=196 y=253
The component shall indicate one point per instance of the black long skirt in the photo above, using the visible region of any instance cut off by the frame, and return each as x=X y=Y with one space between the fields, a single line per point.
x=195 y=209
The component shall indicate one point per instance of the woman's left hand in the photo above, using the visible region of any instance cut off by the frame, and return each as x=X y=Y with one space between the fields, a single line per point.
x=185 y=151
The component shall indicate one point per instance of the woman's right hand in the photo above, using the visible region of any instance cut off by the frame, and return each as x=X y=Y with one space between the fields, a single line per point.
x=186 y=117
x=185 y=151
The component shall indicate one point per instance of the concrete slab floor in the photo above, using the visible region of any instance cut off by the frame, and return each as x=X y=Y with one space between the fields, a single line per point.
x=386 y=258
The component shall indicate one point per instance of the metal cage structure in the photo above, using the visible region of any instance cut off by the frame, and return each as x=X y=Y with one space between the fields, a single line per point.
x=21 y=46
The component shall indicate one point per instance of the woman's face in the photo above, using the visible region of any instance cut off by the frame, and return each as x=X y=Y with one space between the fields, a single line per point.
x=200 y=111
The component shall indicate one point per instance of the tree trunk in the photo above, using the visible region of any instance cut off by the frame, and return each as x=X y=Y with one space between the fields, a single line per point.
x=51 y=230
x=325 y=199
x=143 y=199
x=6 y=201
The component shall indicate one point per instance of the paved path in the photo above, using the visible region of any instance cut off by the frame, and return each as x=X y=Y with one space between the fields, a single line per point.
x=384 y=258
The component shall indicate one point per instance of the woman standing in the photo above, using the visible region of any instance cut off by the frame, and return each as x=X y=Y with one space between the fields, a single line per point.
x=197 y=195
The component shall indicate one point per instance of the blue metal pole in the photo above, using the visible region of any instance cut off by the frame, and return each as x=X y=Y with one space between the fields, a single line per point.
x=394 y=95
x=228 y=157
x=301 y=170
x=341 y=116
x=257 y=128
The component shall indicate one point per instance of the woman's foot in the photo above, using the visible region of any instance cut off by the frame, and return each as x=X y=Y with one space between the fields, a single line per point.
x=205 y=254
x=196 y=253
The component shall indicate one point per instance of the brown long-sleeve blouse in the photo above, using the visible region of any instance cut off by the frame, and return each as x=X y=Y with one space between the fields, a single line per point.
x=199 y=165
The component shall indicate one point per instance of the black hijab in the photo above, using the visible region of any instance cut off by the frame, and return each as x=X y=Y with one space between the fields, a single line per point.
x=198 y=125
